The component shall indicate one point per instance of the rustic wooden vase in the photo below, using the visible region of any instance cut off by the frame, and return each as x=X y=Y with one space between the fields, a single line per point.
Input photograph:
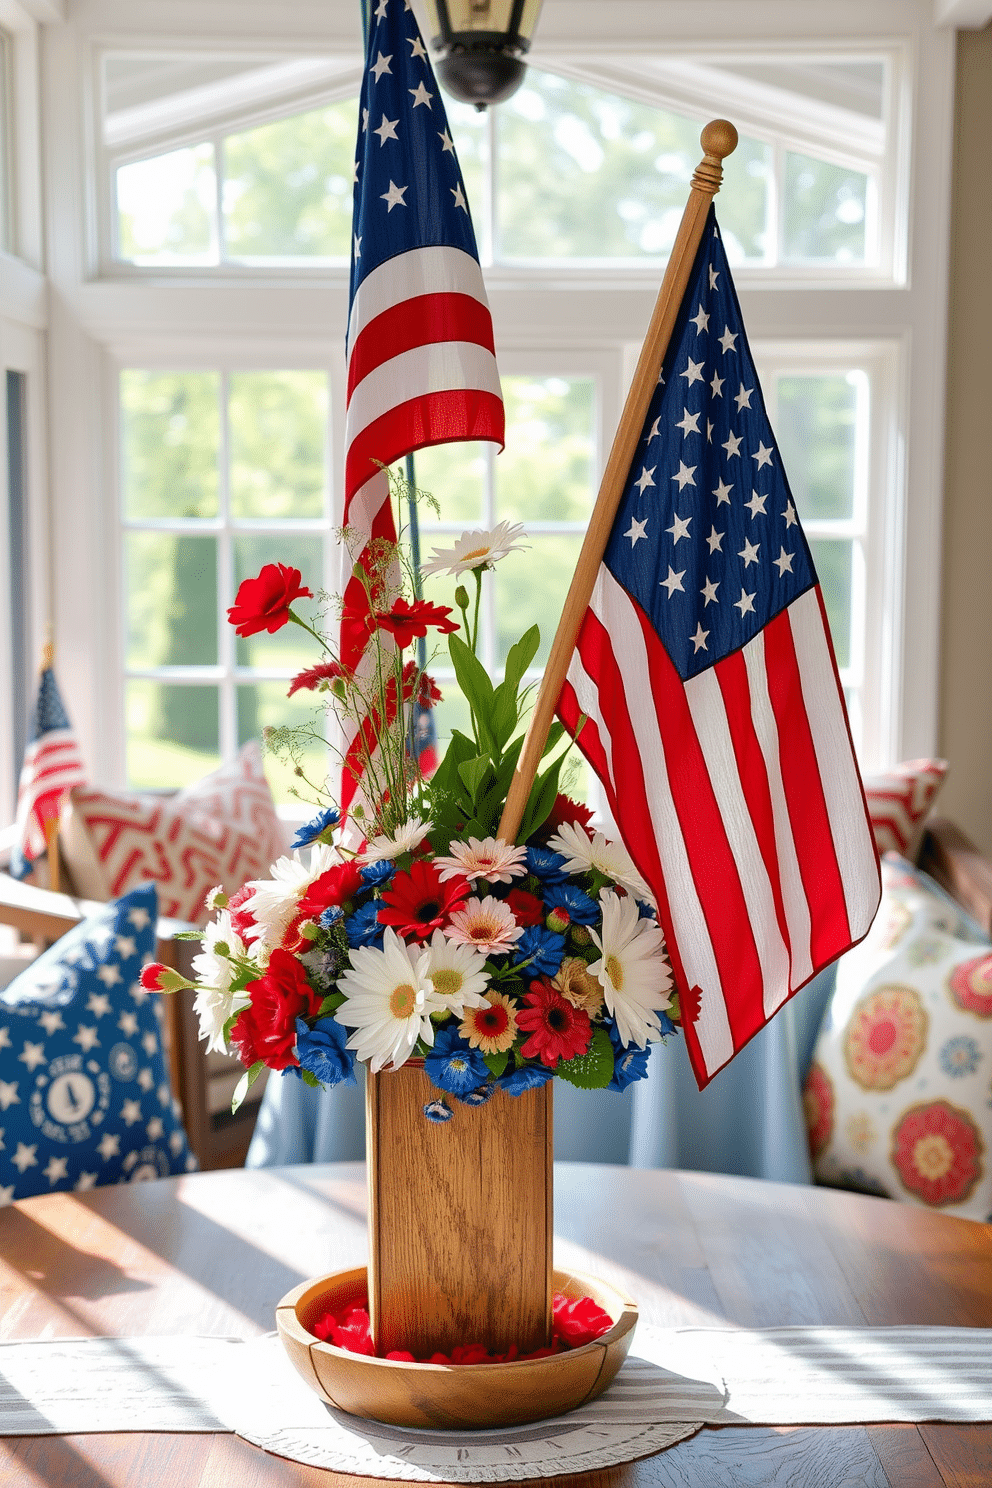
x=460 y=1232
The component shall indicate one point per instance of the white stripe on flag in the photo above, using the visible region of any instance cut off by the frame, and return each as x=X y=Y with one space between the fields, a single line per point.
x=838 y=772
x=613 y=609
x=442 y=366
x=709 y=715
x=793 y=892
x=421 y=271
x=587 y=697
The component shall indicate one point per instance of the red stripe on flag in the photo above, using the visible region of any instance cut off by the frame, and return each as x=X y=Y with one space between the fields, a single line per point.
x=711 y=861
x=423 y=321
x=429 y=419
x=631 y=811
x=732 y=678
x=830 y=931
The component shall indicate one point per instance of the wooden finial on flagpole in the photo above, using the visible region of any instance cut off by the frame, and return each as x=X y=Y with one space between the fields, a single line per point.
x=718 y=139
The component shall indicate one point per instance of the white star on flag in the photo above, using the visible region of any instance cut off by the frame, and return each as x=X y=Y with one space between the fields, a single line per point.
x=699 y=638
x=56 y=1170
x=686 y=475
x=636 y=531
x=783 y=562
x=732 y=445
x=708 y=592
x=381 y=65
x=109 y=1146
x=680 y=527
x=393 y=197
x=32 y=1055
x=673 y=581
x=722 y=492
x=25 y=1157
x=749 y=552
x=688 y=423
x=715 y=540
x=764 y=456
x=420 y=95
x=646 y=478
x=387 y=130
x=700 y=320
x=745 y=603
x=694 y=371
x=728 y=340
x=756 y=506
x=743 y=398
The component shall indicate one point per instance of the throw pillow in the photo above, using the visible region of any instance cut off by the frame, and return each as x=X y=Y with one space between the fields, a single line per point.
x=222 y=830
x=899 y=802
x=898 y=1094
x=85 y=1097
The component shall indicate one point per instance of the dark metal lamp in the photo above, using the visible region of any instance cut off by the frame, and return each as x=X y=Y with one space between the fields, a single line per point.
x=480 y=45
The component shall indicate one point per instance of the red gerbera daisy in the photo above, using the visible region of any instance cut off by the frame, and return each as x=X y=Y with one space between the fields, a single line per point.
x=406 y=621
x=418 y=903
x=428 y=692
x=527 y=908
x=558 y=1030
x=336 y=886
x=565 y=810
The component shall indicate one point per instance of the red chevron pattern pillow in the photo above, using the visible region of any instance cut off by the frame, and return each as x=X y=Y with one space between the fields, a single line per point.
x=222 y=830
x=900 y=801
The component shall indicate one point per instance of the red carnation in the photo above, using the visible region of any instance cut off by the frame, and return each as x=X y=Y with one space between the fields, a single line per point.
x=418 y=903
x=527 y=908
x=310 y=680
x=428 y=692
x=267 y=1029
x=241 y=920
x=335 y=887
x=158 y=978
x=263 y=603
x=558 y=1030
x=565 y=810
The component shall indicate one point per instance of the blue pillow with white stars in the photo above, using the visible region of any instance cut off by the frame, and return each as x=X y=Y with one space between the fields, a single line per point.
x=85 y=1097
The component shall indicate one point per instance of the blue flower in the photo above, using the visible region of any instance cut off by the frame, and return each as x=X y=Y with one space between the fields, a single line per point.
x=548 y=866
x=379 y=872
x=645 y=911
x=321 y=1050
x=330 y=916
x=453 y=1066
x=960 y=1056
x=542 y=948
x=437 y=1110
x=629 y=1065
x=363 y=928
x=480 y=1096
x=528 y=1077
x=581 y=910
x=314 y=829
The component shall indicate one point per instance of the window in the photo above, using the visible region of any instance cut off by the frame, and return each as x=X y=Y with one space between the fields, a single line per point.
x=220 y=473
x=220 y=200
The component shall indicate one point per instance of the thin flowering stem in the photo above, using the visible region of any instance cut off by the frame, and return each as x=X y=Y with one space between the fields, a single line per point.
x=315 y=633
x=477 y=572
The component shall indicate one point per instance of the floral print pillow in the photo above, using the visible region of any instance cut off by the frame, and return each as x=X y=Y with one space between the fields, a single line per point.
x=899 y=1094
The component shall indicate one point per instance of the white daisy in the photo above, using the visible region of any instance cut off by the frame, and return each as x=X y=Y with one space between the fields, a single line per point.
x=215 y=1003
x=476 y=549
x=404 y=839
x=388 y=1002
x=486 y=924
x=216 y=899
x=491 y=858
x=635 y=975
x=457 y=973
x=272 y=903
x=609 y=858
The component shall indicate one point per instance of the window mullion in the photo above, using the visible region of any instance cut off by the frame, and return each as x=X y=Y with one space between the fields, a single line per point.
x=226 y=640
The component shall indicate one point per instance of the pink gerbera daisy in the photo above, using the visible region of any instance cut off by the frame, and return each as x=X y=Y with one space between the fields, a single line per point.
x=485 y=923
x=491 y=858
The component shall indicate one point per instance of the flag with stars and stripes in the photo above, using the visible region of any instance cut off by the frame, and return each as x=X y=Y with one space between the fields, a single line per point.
x=421 y=362
x=715 y=716
x=52 y=765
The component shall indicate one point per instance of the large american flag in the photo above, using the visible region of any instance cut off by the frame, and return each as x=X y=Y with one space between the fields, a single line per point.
x=421 y=363
x=52 y=765
x=715 y=714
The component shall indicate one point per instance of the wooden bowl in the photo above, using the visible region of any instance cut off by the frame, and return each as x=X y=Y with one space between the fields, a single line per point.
x=451 y=1396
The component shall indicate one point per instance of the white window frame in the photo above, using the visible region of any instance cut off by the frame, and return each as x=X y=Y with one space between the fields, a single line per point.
x=155 y=316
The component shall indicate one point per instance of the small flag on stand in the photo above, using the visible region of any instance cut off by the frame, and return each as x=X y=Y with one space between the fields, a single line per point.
x=421 y=362
x=52 y=765
x=714 y=711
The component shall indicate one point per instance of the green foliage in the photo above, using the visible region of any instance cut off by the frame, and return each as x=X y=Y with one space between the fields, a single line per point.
x=245 y=1083
x=496 y=1063
x=592 y=1070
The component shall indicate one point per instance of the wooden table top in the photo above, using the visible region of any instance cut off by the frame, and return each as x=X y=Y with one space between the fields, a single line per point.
x=214 y=1252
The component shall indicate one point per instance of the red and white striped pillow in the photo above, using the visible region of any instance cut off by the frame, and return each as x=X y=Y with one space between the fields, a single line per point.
x=899 y=802
x=222 y=830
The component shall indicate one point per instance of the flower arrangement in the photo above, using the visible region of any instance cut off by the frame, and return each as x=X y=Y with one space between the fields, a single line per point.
x=411 y=929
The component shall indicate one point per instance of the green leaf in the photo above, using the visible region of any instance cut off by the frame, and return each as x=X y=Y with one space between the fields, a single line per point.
x=555 y=735
x=506 y=712
x=541 y=800
x=592 y=1070
x=310 y=1079
x=473 y=679
x=245 y=1083
x=495 y=1063
x=330 y=1004
x=473 y=772
x=187 y=935
x=520 y=657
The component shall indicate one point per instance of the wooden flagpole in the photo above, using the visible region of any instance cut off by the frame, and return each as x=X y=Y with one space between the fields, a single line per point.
x=718 y=140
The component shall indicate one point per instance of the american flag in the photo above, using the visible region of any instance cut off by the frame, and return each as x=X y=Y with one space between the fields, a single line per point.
x=421 y=362
x=52 y=766
x=715 y=714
